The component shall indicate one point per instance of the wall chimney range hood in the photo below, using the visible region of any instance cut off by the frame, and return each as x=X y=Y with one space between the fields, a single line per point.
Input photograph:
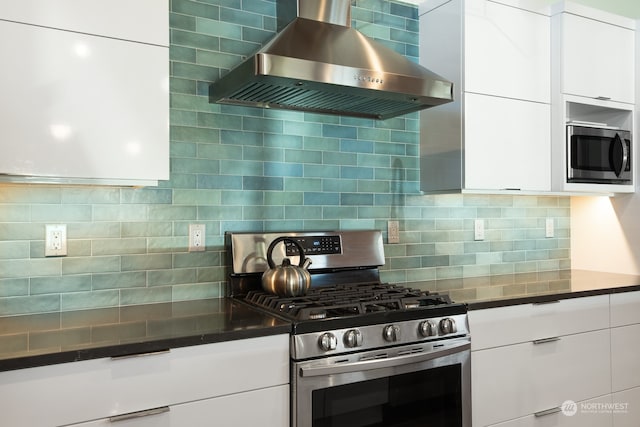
x=318 y=63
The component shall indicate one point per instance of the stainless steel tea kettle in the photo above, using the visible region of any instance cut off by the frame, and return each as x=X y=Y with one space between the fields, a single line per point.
x=286 y=280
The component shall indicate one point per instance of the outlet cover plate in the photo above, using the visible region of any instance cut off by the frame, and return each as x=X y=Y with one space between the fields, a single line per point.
x=55 y=241
x=478 y=229
x=393 y=231
x=196 y=237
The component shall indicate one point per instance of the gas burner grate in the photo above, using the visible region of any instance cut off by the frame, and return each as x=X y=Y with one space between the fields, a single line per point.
x=346 y=300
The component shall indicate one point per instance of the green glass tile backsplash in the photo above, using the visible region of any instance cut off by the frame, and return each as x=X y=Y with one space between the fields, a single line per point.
x=244 y=169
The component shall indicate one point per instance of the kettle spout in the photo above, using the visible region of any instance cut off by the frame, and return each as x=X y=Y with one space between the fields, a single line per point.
x=306 y=263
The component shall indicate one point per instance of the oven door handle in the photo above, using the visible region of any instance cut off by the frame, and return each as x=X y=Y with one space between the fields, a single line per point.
x=366 y=365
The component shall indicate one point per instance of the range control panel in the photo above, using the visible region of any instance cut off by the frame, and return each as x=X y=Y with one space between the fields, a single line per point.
x=315 y=245
x=336 y=249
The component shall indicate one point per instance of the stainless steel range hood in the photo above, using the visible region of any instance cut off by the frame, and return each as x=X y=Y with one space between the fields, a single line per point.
x=318 y=63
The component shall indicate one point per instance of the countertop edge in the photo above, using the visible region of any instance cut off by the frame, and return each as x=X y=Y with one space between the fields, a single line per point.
x=139 y=347
x=543 y=298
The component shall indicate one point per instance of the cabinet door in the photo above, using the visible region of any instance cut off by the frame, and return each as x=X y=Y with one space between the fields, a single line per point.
x=507 y=52
x=76 y=106
x=625 y=357
x=626 y=408
x=266 y=407
x=146 y=21
x=507 y=144
x=522 y=379
x=598 y=58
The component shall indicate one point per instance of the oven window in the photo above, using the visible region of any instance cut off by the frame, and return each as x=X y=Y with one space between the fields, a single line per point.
x=425 y=398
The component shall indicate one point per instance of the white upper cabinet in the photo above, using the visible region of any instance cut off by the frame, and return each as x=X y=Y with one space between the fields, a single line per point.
x=596 y=53
x=592 y=80
x=507 y=52
x=495 y=136
x=86 y=91
x=495 y=158
x=145 y=21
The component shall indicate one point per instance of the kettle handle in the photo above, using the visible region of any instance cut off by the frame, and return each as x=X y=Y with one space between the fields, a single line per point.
x=282 y=239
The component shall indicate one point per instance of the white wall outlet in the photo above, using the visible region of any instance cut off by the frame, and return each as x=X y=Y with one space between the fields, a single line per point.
x=55 y=241
x=196 y=237
x=549 y=228
x=393 y=232
x=478 y=229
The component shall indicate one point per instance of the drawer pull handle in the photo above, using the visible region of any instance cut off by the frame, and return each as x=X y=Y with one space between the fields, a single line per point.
x=555 y=301
x=139 y=414
x=603 y=98
x=546 y=340
x=547 y=412
x=148 y=353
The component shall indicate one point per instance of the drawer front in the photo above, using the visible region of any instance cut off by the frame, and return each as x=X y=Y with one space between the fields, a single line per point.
x=586 y=414
x=522 y=379
x=627 y=404
x=625 y=357
x=93 y=389
x=521 y=323
x=269 y=408
x=625 y=308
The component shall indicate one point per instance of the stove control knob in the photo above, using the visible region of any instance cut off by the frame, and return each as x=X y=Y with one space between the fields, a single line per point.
x=391 y=333
x=352 y=338
x=448 y=326
x=428 y=328
x=328 y=341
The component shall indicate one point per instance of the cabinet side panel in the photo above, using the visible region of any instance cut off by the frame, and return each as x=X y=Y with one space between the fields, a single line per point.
x=440 y=127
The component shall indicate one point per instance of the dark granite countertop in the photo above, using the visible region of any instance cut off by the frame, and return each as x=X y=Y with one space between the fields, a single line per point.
x=45 y=339
x=525 y=288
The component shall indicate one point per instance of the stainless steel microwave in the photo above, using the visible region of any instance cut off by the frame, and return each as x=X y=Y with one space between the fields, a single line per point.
x=599 y=155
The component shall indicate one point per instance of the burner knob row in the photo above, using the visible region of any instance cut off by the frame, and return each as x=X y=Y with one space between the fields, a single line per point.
x=352 y=338
x=390 y=333
x=428 y=328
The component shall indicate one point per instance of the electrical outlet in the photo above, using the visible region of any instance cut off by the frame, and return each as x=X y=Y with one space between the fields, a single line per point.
x=393 y=232
x=549 y=228
x=478 y=229
x=196 y=237
x=55 y=241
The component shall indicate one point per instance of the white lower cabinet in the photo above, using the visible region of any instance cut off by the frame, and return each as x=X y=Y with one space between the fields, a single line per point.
x=269 y=407
x=214 y=380
x=626 y=408
x=586 y=373
x=625 y=357
x=537 y=377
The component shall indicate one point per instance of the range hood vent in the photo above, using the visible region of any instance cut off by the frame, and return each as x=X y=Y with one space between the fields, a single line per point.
x=318 y=63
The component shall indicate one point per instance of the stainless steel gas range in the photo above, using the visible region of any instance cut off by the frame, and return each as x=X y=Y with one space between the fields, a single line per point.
x=363 y=352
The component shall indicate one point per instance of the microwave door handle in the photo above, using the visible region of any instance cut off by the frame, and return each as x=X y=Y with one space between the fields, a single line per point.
x=619 y=163
x=625 y=155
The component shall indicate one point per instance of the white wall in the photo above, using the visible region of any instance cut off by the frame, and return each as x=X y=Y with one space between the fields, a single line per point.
x=602 y=231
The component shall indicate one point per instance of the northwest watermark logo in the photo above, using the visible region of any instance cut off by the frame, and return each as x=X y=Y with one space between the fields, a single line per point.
x=571 y=408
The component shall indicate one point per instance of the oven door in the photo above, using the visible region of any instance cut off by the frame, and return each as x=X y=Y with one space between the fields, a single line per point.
x=424 y=384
